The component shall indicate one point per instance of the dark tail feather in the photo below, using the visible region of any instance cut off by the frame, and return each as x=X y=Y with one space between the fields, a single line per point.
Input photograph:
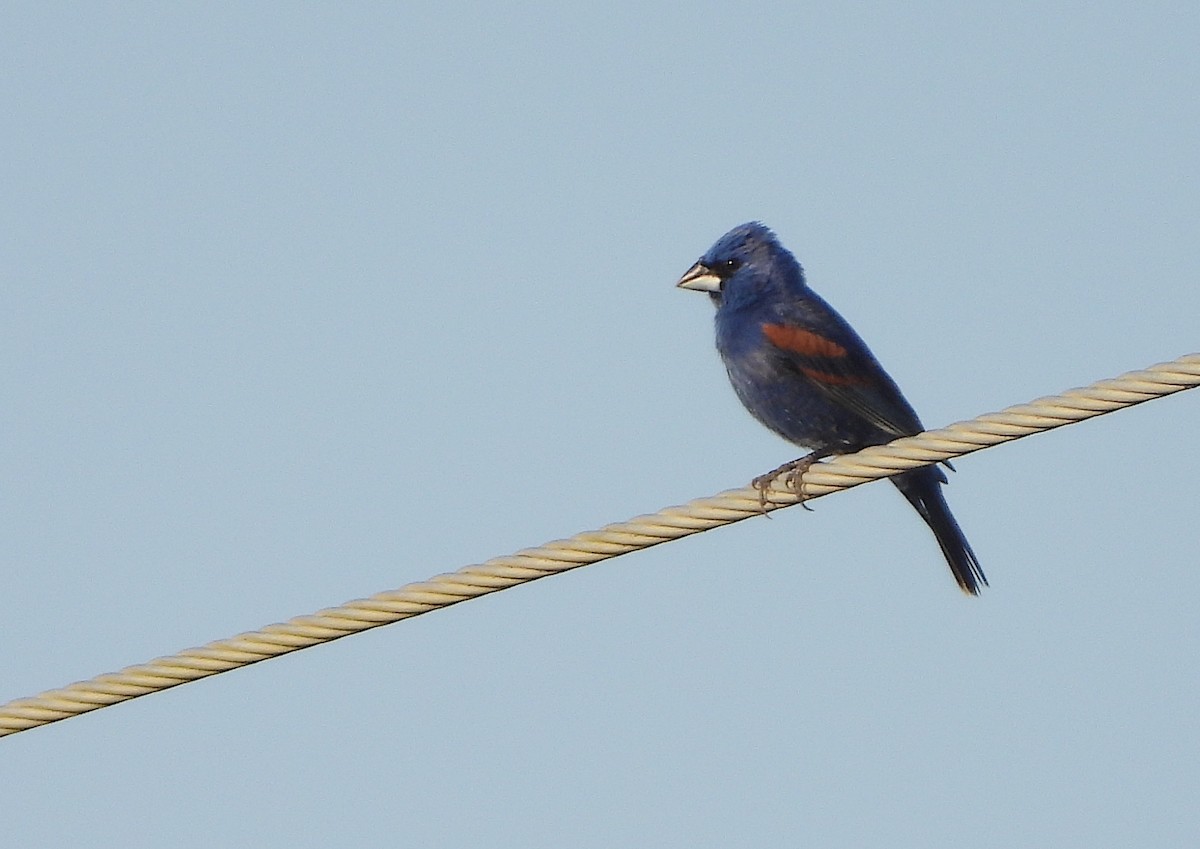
x=923 y=489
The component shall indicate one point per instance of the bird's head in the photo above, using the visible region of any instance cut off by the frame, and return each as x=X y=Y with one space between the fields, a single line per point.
x=745 y=264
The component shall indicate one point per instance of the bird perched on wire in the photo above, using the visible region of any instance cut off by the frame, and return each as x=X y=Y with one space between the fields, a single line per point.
x=802 y=371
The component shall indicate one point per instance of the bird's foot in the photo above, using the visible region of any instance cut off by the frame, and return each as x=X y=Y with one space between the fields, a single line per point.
x=791 y=475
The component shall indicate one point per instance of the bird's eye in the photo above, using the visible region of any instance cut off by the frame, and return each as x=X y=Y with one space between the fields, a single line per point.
x=729 y=266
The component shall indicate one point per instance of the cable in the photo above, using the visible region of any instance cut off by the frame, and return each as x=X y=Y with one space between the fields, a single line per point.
x=641 y=532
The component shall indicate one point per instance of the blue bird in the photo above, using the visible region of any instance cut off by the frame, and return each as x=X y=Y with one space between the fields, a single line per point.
x=801 y=370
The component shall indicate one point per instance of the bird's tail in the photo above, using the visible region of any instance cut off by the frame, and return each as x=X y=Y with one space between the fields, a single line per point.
x=923 y=489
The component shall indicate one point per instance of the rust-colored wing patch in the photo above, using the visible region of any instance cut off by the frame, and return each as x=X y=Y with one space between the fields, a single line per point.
x=802 y=342
x=834 y=379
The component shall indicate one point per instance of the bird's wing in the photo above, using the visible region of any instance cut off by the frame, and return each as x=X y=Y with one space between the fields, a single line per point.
x=847 y=376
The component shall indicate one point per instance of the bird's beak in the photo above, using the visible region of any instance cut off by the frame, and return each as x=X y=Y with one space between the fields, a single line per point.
x=699 y=278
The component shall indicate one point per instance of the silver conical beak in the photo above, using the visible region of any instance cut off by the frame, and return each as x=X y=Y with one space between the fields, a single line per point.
x=699 y=278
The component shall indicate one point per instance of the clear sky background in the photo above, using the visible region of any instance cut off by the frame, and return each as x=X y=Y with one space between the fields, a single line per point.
x=302 y=302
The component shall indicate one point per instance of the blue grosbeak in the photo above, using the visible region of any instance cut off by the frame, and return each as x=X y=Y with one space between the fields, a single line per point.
x=802 y=371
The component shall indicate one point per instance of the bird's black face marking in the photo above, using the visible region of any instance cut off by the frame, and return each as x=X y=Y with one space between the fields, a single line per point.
x=727 y=268
x=722 y=270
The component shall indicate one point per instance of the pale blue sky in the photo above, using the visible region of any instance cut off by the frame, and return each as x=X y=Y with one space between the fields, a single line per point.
x=304 y=302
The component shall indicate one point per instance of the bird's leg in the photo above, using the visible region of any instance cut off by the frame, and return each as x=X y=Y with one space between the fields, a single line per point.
x=793 y=478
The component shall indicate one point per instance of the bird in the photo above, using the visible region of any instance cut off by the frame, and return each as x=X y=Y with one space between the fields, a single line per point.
x=804 y=373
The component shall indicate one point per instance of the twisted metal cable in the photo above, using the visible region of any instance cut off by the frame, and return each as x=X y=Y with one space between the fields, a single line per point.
x=641 y=532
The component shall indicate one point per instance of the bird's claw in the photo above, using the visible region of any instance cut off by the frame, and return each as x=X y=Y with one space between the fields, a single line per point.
x=791 y=475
